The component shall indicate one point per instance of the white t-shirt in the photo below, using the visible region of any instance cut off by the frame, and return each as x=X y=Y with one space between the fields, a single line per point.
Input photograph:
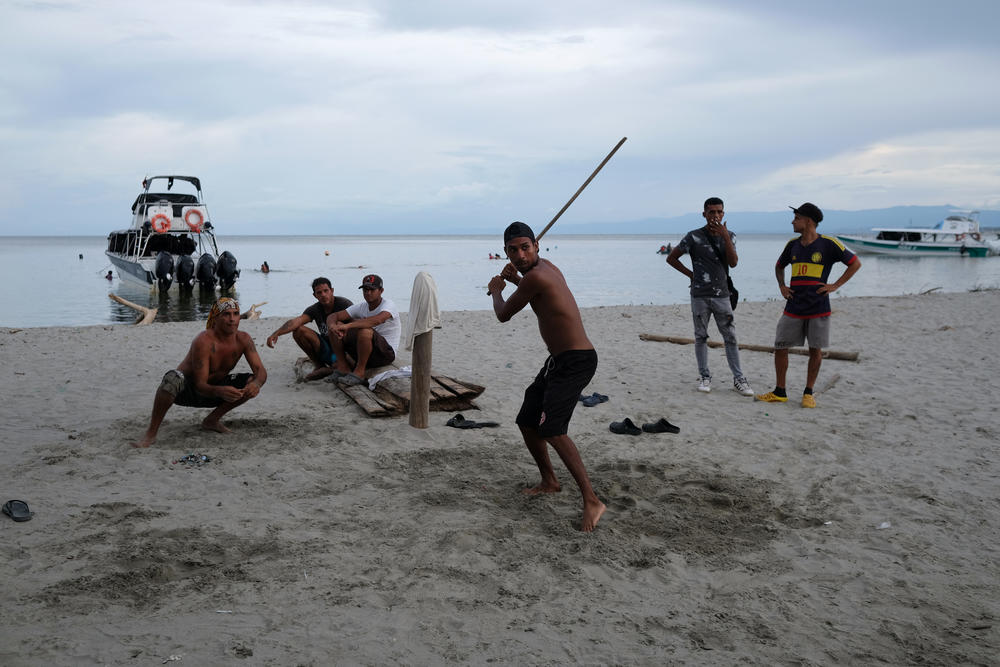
x=391 y=329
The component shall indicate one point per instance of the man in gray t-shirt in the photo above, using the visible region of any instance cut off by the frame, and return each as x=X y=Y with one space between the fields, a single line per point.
x=709 y=247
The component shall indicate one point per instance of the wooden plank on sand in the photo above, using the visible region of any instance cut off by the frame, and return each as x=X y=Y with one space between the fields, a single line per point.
x=373 y=405
x=392 y=395
x=466 y=389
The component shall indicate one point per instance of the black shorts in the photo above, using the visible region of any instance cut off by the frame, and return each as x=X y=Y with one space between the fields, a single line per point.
x=382 y=353
x=549 y=401
x=182 y=389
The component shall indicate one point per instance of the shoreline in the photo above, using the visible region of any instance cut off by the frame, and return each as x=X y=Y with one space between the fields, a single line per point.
x=325 y=536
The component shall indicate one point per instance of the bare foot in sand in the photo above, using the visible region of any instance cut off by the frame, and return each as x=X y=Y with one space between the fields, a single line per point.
x=544 y=487
x=319 y=373
x=145 y=442
x=592 y=513
x=214 y=426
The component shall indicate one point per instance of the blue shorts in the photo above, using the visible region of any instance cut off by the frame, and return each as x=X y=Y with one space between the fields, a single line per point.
x=326 y=354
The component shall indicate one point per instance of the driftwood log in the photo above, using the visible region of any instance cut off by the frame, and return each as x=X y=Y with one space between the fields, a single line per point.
x=146 y=315
x=253 y=313
x=827 y=354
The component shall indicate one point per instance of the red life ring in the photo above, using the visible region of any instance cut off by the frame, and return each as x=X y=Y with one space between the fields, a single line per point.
x=959 y=237
x=160 y=223
x=976 y=236
x=194 y=226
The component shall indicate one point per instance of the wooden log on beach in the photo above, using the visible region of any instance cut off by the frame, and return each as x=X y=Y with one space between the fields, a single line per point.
x=253 y=313
x=827 y=354
x=146 y=315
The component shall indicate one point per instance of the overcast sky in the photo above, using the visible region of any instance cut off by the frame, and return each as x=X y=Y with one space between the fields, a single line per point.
x=416 y=116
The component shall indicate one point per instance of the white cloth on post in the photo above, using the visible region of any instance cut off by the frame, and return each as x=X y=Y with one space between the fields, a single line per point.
x=424 y=313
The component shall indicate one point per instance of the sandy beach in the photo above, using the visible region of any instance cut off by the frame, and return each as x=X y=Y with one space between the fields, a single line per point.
x=864 y=531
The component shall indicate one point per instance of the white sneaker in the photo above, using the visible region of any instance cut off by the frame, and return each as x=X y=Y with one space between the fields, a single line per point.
x=705 y=385
x=742 y=386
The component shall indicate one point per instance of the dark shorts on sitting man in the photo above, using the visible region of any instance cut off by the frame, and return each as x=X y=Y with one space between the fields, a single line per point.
x=182 y=389
x=382 y=353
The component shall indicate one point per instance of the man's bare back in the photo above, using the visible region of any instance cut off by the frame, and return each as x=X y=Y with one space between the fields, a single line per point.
x=559 y=321
x=544 y=288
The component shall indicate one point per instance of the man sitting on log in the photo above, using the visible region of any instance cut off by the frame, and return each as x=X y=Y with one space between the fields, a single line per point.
x=203 y=378
x=368 y=331
x=315 y=345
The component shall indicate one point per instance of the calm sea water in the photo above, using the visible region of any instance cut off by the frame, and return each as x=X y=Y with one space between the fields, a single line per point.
x=46 y=283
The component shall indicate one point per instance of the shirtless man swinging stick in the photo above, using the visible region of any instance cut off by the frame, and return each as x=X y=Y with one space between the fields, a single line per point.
x=549 y=400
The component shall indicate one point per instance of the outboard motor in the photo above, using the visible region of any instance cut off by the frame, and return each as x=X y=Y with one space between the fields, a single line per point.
x=226 y=270
x=164 y=270
x=205 y=273
x=185 y=272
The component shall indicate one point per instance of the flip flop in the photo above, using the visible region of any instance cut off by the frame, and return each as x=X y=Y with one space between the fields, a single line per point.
x=458 y=421
x=593 y=399
x=334 y=376
x=349 y=380
x=625 y=427
x=661 y=426
x=17 y=510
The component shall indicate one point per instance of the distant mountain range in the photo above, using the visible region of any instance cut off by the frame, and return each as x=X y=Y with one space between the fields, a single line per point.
x=779 y=222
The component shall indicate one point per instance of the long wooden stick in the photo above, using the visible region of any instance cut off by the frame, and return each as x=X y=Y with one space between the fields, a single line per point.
x=614 y=150
x=538 y=237
x=827 y=354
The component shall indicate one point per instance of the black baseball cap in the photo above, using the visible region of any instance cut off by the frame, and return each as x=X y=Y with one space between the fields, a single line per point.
x=810 y=211
x=372 y=281
x=517 y=230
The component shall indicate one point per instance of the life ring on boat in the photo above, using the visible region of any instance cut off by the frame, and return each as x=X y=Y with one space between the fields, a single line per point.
x=194 y=226
x=959 y=237
x=160 y=223
x=975 y=236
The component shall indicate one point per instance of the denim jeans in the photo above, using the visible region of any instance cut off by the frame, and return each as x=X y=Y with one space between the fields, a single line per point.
x=702 y=309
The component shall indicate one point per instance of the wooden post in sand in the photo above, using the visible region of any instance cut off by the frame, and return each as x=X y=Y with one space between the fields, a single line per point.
x=420 y=380
x=423 y=318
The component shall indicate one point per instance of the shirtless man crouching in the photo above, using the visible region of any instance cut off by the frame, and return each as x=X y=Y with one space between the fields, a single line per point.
x=203 y=380
x=549 y=400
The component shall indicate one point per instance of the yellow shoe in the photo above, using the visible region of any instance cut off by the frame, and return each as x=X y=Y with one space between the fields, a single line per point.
x=808 y=401
x=770 y=397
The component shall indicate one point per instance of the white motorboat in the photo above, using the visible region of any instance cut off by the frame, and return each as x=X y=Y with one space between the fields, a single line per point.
x=957 y=235
x=171 y=240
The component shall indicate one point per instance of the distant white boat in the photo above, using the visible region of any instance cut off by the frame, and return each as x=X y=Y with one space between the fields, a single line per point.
x=171 y=239
x=956 y=235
